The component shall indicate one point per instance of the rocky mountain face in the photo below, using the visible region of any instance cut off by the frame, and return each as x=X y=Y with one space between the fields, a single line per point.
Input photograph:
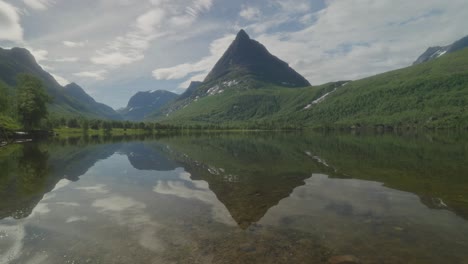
x=190 y=90
x=245 y=65
x=70 y=100
x=144 y=103
x=436 y=52
x=246 y=56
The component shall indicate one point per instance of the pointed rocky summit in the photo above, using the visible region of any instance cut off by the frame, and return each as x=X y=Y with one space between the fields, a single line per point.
x=246 y=56
x=433 y=53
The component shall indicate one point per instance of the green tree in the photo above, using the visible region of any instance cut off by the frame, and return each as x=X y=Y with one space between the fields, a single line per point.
x=85 y=125
x=73 y=123
x=63 y=121
x=4 y=97
x=32 y=101
x=107 y=127
x=95 y=124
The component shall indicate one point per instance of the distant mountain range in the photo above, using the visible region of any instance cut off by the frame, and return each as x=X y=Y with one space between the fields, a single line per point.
x=249 y=86
x=144 y=103
x=436 y=52
x=71 y=100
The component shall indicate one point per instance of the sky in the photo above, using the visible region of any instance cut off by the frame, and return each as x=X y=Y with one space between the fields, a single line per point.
x=115 y=48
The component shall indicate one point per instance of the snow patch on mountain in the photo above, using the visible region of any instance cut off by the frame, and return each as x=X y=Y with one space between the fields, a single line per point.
x=323 y=97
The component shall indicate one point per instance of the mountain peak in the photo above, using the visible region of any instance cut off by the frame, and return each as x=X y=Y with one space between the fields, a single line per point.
x=73 y=85
x=242 y=35
x=76 y=91
x=248 y=57
x=433 y=53
x=144 y=103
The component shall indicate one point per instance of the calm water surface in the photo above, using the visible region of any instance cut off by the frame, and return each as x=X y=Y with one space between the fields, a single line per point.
x=264 y=198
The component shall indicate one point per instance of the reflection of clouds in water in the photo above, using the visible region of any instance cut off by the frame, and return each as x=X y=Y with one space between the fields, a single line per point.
x=130 y=213
x=48 y=196
x=118 y=203
x=73 y=219
x=345 y=198
x=38 y=258
x=40 y=209
x=354 y=196
x=68 y=204
x=99 y=189
x=148 y=238
x=200 y=191
x=62 y=183
x=11 y=242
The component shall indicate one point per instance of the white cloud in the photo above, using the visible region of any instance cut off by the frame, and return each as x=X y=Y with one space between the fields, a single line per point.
x=198 y=7
x=250 y=13
x=181 y=21
x=67 y=59
x=130 y=48
x=47 y=68
x=201 y=68
x=115 y=59
x=62 y=81
x=193 y=8
x=39 y=54
x=147 y=22
x=72 y=44
x=295 y=6
x=39 y=4
x=162 y=20
x=97 y=75
x=347 y=41
x=10 y=26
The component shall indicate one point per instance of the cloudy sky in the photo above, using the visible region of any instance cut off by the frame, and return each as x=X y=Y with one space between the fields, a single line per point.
x=114 y=48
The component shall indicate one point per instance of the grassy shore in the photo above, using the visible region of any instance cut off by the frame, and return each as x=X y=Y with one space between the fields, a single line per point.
x=73 y=132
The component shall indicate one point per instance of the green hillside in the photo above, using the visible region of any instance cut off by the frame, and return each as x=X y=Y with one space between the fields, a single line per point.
x=432 y=94
x=16 y=61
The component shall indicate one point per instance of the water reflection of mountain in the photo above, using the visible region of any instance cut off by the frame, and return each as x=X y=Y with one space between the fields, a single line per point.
x=24 y=178
x=29 y=171
x=148 y=156
x=249 y=175
x=434 y=167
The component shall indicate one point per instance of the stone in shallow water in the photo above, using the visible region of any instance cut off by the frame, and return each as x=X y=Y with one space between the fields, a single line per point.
x=345 y=259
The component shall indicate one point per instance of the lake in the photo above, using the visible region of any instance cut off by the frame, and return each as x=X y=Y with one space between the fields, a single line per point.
x=236 y=198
